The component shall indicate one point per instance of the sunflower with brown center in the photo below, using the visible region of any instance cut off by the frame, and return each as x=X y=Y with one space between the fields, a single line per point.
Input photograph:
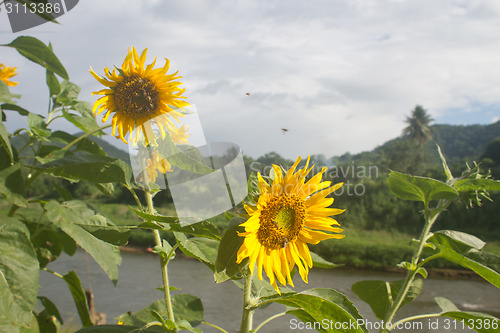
x=6 y=73
x=290 y=213
x=140 y=96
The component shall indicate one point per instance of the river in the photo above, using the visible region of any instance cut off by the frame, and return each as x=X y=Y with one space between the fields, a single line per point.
x=140 y=274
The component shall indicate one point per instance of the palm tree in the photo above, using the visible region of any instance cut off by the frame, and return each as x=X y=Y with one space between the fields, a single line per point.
x=418 y=125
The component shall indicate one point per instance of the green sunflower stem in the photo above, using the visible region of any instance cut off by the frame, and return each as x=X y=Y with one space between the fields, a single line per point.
x=247 y=317
x=163 y=261
x=430 y=218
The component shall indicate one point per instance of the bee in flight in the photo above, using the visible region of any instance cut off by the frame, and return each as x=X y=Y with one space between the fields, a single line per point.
x=248 y=94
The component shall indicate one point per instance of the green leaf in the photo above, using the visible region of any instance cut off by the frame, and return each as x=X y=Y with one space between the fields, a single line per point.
x=69 y=93
x=465 y=252
x=161 y=218
x=51 y=308
x=5 y=95
x=380 y=295
x=171 y=223
x=12 y=185
x=14 y=107
x=416 y=188
x=18 y=274
x=68 y=216
x=52 y=83
x=4 y=141
x=36 y=51
x=445 y=164
x=76 y=289
x=225 y=264
x=203 y=249
x=445 y=304
x=322 y=305
x=185 y=159
x=483 y=263
x=84 y=108
x=186 y=307
x=456 y=240
x=37 y=125
x=466 y=185
x=89 y=167
x=322 y=263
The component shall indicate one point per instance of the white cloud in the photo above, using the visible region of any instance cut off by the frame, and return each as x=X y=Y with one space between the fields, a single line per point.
x=340 y=75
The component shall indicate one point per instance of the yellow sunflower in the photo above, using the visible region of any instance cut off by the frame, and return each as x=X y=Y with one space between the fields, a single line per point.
x=6 y=73
x=290 y=213
x=139 y=95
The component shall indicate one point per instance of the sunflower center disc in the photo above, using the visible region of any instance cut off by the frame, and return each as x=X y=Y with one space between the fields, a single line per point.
x=136 y=97
x=281 y=221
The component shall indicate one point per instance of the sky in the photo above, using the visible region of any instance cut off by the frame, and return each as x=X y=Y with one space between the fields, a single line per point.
x=340 y=75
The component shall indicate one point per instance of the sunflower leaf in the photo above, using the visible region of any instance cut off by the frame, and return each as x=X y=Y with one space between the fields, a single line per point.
x=186 y=308
x=380 y=294
x=464 y=250
x=416 y=188
x=88 y=167
x=225 y=265
x=323 y=306
x=18 y=275
x=36 y=51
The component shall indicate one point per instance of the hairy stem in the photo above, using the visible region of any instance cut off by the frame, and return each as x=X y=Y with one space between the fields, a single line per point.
x=163 y=261
x=247 y=317
x=430 y=218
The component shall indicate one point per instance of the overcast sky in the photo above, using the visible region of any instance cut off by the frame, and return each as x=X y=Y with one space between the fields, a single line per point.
x=339 y=75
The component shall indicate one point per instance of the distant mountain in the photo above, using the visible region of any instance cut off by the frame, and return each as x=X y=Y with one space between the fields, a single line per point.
x=459 y=143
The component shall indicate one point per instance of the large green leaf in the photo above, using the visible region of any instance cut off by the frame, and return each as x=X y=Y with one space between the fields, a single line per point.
x=171 y=223
x=86 y=124
x=186 y=307
x=463 y=253
x=69 y=93
x=89 y=167
x=466 y=185
x=416 y=188
x=202 y=249
x=76 y=289
x=37 y=125
x=326 y=306
x=456 y=240
x=12 y=185
x=14 y=107
x=69 y=216
x=36 y=51
x=380 y=295
x=18 y=275
x=188 y=158
x=225 y=264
